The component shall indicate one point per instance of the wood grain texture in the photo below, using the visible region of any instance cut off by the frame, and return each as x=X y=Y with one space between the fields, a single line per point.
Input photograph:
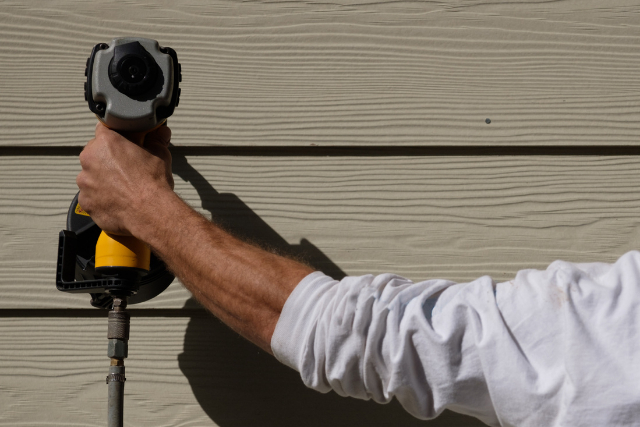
x=426 y=217
x=180 y=372
x=341 y=73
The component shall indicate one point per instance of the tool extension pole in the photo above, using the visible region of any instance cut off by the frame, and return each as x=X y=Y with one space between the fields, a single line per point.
x=118 y=335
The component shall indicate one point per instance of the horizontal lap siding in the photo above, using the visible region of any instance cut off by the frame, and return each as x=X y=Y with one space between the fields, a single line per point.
x=299 y=74
x=180 y=372
x=347 y=73
x=422 y=217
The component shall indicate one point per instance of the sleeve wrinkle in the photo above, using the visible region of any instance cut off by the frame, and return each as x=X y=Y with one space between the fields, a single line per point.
x=380 y=337
x=524 y=352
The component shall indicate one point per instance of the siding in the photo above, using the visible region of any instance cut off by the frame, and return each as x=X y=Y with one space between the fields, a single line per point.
x=342 y=73
x=352 y=133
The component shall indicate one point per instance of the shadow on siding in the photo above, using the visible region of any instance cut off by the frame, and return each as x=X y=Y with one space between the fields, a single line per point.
x=238 y=384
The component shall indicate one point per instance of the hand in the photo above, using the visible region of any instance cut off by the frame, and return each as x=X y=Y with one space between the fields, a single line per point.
x=120 y=180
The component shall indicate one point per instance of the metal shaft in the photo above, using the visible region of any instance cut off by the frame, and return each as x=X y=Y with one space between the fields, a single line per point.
x=118 y=350
x=115 y=415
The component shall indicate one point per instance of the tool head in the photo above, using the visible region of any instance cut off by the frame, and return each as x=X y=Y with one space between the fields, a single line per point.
x=77 y=273
x=133 y=83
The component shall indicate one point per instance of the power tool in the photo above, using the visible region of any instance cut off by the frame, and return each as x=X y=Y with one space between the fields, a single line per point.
x=132 y=87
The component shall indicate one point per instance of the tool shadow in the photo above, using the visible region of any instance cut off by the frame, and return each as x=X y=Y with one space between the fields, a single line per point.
x=235 y=382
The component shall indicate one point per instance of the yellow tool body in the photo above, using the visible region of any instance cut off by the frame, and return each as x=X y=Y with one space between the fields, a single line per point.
x=121 y=252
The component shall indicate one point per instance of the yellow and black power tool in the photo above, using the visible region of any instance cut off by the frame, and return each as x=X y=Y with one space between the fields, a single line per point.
x=132 y=87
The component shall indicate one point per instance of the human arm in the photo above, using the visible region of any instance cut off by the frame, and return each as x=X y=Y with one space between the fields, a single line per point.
x=555 y=347
x=241 y=284
x=537 y=350
x=128 y=190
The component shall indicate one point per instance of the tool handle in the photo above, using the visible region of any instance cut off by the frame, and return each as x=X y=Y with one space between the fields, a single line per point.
x=124 y=251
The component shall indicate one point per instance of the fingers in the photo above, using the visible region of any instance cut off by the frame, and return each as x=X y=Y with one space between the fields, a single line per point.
x=83 y=183
x=81 y=180
x=84 y=154
x=161 y=136
x=104 y=133
x=88 y=153
x=157 y=143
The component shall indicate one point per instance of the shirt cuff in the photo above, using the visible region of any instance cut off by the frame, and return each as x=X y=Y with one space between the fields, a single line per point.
x=298 y=318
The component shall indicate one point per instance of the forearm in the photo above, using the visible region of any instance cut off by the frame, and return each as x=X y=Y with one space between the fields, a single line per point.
x=127 y=189
x=243 y=285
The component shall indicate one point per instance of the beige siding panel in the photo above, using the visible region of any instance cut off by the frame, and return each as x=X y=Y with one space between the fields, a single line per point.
x=341 y=73
x=183 y=372
x=422 y=217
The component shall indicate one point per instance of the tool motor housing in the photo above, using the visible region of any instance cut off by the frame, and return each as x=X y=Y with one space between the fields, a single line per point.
x=133 y=83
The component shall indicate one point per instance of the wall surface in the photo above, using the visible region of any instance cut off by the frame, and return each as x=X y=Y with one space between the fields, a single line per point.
x=353 y=132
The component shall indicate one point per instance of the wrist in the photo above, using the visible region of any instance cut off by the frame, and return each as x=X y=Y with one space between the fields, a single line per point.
x=152 y=213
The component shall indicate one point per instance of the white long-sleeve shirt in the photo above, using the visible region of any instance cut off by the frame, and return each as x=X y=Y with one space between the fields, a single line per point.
x=559 y=347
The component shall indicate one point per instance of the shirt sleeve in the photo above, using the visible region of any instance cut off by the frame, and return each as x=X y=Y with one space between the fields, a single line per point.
x=526 y=352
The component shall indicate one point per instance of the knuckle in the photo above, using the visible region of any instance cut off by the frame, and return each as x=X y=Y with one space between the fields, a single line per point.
x=81 y=180
x=85 y=157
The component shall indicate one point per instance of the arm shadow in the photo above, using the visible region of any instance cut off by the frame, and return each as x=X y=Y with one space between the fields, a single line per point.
x=239 y=385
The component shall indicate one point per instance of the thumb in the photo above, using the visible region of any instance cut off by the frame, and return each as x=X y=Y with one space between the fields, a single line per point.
x=157 y=144
x=160 y=136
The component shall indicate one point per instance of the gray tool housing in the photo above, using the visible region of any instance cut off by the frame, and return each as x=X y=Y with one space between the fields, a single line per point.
x=139 y=112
